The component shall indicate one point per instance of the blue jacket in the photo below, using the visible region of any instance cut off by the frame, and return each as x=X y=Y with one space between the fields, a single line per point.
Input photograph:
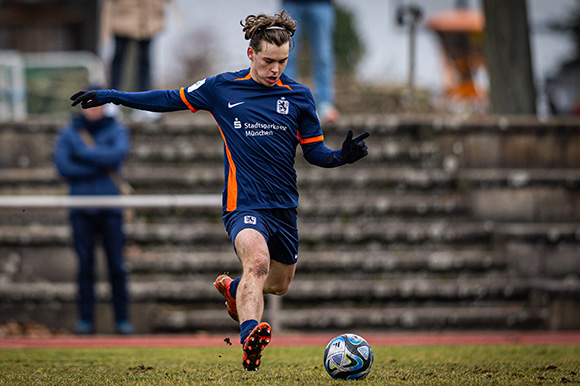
x=86 y=168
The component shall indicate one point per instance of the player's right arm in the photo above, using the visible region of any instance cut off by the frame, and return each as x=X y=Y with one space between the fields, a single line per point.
x=311 y=140
x=155 y=100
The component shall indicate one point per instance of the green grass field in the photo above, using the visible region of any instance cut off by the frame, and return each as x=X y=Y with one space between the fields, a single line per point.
x=431 y=365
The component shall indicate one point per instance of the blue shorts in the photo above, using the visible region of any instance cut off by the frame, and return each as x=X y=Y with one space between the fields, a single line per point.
x=278 y=226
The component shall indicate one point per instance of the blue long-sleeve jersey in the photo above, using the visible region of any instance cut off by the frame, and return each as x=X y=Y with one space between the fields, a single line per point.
x=261 y=128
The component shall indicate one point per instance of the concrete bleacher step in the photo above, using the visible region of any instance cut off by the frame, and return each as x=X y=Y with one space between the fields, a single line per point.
x=166 y=144
x=58 y=263
x=354 y=232
x=305 y=293
x=375 y=318
x=180 y=150
x=308 y=291
x=194 y=305
x=472 y=141
x=211 y=175
x=322 y=262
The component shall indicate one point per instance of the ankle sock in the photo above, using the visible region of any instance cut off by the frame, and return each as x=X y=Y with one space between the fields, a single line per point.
x=246 y=328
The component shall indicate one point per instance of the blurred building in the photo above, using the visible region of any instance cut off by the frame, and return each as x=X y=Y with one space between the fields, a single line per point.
x=385 y=58
x=210 y=38
x=48 y=25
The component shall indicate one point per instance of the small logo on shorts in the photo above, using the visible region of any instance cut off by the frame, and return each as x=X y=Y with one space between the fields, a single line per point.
x=250 y=220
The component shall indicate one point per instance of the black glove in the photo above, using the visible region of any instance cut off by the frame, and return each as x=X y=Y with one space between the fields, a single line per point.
x=353 y=149
x=86 y=98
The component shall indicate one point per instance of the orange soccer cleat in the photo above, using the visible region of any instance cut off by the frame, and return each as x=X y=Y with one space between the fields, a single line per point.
x=222 y=284
x=254 y=344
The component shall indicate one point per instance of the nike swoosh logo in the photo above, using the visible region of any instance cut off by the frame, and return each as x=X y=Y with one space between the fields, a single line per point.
x=231 y=105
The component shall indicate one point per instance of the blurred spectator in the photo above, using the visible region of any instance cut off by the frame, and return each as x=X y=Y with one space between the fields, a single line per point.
x=318 y=18
x=89 y=154
x=138 y=22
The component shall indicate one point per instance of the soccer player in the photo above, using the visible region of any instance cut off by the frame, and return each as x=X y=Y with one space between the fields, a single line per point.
x=262 y=116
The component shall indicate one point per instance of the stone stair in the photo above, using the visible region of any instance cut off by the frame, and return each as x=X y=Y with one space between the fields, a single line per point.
x=447 y=224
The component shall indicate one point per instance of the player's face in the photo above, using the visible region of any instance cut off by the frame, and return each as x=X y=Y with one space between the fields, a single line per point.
x=268 y=64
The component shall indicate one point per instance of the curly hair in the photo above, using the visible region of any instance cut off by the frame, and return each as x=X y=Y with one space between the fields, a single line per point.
x=276 y=29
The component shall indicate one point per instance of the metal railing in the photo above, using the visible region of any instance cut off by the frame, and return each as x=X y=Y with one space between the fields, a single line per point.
x=132 y=201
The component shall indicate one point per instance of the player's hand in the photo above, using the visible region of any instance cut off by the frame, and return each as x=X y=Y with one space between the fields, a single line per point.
x=354 y=149
x=86 y=98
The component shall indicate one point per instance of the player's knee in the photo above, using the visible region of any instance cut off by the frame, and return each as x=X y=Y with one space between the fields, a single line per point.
x=260 y=266
x=279 y=289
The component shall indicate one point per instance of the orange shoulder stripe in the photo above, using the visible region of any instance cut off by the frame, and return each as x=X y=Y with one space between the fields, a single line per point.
x=245 y=77
x=279 y=83
x=184 y=99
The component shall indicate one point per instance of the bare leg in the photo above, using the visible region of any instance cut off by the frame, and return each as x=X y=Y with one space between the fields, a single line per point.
x=279 y=278
x=253 y=252
x=260 y=275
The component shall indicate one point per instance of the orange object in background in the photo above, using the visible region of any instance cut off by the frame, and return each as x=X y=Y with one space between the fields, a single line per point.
x=461 y=34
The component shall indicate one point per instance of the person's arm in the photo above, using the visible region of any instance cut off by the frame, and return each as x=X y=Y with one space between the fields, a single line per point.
x=318 y=154
x=67 y=164
x=352 y=150
x=155 y=100
x=103 y=156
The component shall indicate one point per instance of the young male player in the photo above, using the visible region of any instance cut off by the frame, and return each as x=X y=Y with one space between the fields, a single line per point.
x=262 y=117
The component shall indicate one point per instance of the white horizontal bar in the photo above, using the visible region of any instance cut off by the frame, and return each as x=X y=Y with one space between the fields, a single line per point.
x=134 y=201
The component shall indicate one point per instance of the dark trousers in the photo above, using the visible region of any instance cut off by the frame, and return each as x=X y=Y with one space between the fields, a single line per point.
x=143 y=64
x=87 y=230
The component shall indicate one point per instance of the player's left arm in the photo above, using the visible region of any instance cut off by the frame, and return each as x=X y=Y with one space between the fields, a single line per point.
x=352 y=150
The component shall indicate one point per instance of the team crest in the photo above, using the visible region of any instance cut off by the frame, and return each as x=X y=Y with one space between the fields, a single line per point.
x=283 y=106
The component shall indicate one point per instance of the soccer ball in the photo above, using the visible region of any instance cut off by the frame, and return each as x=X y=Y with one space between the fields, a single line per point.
x=348 y=356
